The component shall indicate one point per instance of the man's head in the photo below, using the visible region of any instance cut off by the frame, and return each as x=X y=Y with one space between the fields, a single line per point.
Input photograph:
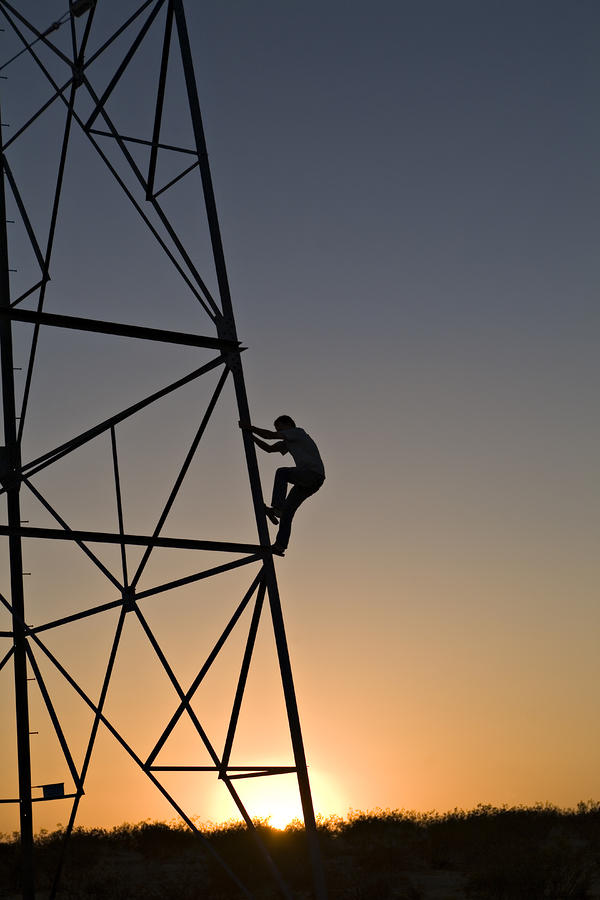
x=281 y=423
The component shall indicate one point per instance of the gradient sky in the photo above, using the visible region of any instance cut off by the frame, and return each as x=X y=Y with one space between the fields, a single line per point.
x=408 y=196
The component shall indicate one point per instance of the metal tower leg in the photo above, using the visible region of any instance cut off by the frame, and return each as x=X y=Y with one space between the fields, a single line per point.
x=296 y=733
x=11 y=465
x=227 y=331
x=282 y=647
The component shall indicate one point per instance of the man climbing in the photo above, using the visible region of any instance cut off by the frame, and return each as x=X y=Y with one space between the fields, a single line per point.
x=306 y=476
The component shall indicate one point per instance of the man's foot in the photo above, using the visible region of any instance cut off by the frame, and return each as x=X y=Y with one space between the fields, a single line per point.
x=277 y=550
x=273 y=514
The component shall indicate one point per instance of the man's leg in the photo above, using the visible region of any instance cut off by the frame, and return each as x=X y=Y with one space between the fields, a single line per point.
x=296 y=496
x=280 y=484
x=309 y=485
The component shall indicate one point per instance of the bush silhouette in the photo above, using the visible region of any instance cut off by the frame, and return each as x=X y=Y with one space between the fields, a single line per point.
x=491 y=853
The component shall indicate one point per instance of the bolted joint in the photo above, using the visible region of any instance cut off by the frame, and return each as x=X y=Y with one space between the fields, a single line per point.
x=9 y=477
x=79 y=7
x=226 y=329
x=129 y=598
x=78 y=76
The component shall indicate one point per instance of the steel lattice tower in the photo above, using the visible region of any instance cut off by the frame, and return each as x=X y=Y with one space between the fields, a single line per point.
x=83 y=92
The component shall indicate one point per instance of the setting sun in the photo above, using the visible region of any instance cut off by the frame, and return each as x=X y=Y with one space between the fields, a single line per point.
x=276 y=800
x=281 y=818
x=273 y=799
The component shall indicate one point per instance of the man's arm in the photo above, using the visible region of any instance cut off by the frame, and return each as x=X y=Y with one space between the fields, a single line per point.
x=263 y=432
x=279 y=447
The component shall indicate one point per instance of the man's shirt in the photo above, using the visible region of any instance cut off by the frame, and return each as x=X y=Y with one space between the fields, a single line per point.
x=303 y=449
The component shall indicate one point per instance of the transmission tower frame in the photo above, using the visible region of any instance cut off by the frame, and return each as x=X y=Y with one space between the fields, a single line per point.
x=16 y=474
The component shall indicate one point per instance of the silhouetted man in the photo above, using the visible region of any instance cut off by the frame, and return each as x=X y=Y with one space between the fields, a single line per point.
x=306 y=476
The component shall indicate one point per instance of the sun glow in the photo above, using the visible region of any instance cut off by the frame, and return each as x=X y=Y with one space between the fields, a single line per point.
x=281 y=818
x=275 y=800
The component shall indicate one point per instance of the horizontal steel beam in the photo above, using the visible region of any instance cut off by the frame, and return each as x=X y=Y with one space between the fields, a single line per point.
x=41 y=799
x=78 y=323
x=102 y=537
x=253 y=770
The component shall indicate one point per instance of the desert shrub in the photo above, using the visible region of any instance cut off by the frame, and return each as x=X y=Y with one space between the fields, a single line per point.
x=538 y=853
x=533 y=873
